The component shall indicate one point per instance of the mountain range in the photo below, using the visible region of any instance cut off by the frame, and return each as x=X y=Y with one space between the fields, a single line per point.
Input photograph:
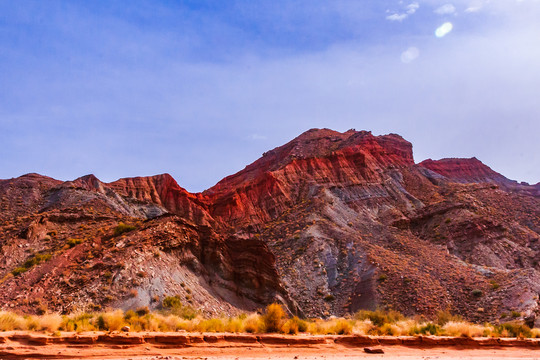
x=327 y=224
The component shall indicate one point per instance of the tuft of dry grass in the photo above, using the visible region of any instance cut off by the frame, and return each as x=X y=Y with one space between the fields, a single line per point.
x=331 y=327
x=49 y=322
x=462 y=328
x=10 y=321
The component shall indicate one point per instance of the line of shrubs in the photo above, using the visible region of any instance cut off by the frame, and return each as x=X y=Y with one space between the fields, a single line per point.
x=174 y=316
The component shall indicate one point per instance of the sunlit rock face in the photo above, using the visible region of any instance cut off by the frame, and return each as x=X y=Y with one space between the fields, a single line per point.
x=465 y=171
x=353 y=164
x=326 y=224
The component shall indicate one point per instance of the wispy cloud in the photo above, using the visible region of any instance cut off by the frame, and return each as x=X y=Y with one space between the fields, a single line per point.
x=397 y=17
x=256 y=137
x=473 y=9
x=409 y=10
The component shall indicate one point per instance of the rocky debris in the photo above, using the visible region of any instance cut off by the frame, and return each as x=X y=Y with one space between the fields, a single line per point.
x=374 y=350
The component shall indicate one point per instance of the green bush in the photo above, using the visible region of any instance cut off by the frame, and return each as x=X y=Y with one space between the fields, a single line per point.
x=35 y=259
x=122 y=228
x=72 y=242
x=171 y=302
x=329 y=298
x=430 y=328
x=477 y=293
x=173 y=305
x=19 y=270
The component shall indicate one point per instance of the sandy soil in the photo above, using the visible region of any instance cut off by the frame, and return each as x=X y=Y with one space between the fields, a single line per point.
x=175 y=346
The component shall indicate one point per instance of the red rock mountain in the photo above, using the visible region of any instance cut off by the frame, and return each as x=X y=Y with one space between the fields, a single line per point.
x=327 y=224
x=465 y=171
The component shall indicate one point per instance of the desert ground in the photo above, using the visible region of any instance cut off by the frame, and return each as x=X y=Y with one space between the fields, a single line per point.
x=171 y=346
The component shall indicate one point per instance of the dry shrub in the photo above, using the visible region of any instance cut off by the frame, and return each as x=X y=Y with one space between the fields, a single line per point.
x=462 y=328
x=290 y=327
x=317 y=327
x=489 y=330
x=363 y=327
x=389 y=329
x=49 y=322
x=254 y=324
x=211 y=325
x=10 y=321
x=444 y=317
x=341 y=327
x=234 y=325
x=174 y=323
x=327 y=327
x=143 y=323
x=273 y=317
x=294 y=326
x=32 y=323
x=79 y=322
x=379 y=317
x=514 y=329
x=535 y=333
x=114 y=321
x=400 y=328
x=404 y=327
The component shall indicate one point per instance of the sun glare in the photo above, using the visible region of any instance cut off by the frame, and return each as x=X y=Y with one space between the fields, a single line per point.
x=444 y=29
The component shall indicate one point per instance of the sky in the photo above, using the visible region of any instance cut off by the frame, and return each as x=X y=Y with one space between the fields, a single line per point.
x=200 y=89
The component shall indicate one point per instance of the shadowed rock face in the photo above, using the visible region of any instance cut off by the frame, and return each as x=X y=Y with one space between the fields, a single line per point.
x=327 y=224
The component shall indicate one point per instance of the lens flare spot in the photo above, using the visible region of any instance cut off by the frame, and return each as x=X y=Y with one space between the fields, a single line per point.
x=444 y=29
x=410 y=55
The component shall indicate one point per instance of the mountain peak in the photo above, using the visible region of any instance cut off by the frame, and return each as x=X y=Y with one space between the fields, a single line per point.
x=324 y=144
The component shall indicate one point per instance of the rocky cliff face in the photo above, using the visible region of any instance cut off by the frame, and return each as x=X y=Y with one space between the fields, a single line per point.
x=327 y=224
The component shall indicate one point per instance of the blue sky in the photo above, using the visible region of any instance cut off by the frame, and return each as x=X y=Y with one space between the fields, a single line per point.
x=200 y=89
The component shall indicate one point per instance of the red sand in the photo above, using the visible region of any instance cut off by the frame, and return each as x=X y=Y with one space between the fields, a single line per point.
x=22 y=345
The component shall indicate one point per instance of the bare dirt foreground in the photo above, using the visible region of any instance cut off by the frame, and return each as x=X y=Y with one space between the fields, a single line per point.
x=175 y=346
